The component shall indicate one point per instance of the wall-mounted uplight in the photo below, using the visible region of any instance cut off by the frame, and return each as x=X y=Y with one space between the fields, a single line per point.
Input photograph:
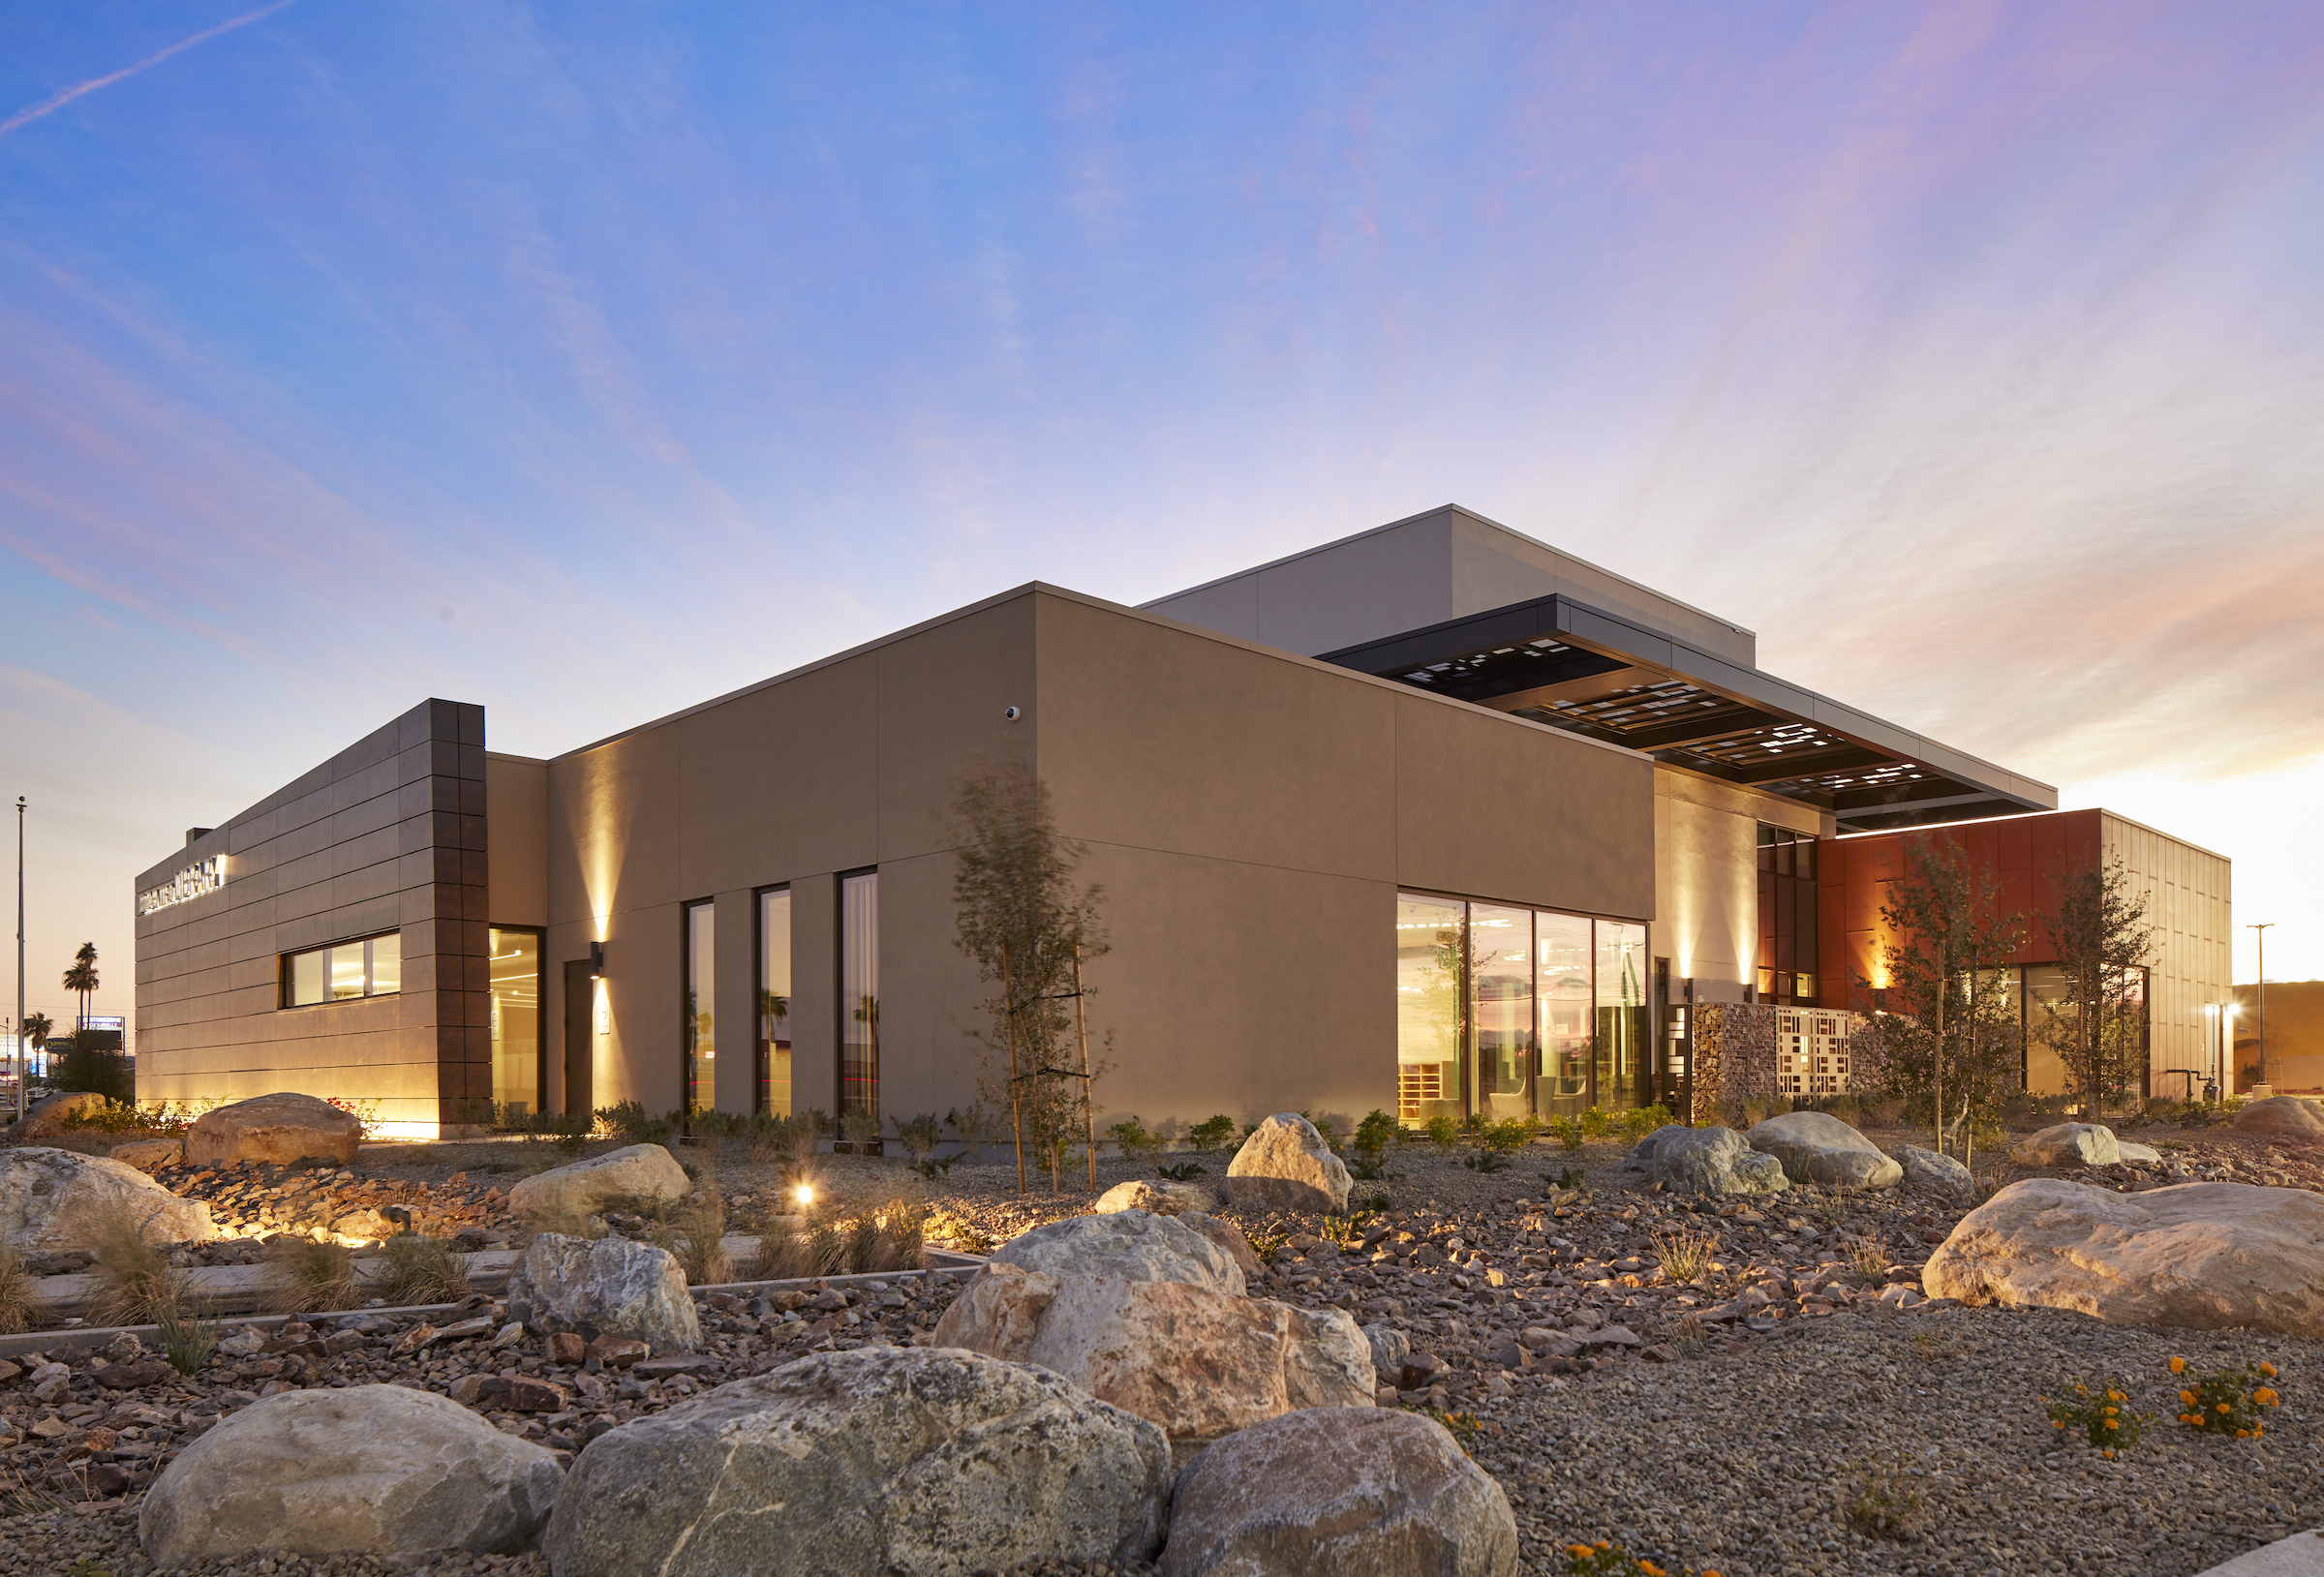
x=596 y=960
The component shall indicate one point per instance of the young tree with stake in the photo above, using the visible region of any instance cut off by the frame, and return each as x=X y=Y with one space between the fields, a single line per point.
x=1030 y=927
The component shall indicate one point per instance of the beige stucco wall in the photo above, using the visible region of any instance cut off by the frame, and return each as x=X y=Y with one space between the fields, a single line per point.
x=1251 y=813
x=516 y=789
x=1706 y=876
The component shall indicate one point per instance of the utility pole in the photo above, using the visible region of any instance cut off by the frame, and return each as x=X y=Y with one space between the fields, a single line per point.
x=19 y=1056
x=2263 y=930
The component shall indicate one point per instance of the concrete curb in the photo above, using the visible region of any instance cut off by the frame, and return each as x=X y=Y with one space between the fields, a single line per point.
x=2299 y=1556
x=947 y=1264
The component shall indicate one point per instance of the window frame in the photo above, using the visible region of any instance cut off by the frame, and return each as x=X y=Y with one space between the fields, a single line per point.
x=540 y=1002
x=283 y=963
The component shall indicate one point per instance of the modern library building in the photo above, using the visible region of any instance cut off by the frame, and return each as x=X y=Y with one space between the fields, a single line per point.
x=1434 y=819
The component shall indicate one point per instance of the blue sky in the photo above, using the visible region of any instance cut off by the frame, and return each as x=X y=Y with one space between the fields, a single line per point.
x=591 y=360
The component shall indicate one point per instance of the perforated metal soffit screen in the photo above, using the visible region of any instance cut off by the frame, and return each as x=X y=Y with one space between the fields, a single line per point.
x=1647 y=703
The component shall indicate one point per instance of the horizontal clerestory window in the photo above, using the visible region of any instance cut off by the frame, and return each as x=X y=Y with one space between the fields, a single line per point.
x=373 y=966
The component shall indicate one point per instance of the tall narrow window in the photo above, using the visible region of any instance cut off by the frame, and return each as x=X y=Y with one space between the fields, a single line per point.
x=515 y=1020
x=1787 y=958
x=859 y=993
x=774 y=1092
x=1623 y=1013
x=701 y=999
x=1501 y=1012
x=1431 y=955
x=1562 y=987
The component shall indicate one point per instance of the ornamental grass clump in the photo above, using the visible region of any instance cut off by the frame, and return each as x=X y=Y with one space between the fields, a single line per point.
x=315 y=1276
x=15 y=1293
x=139 y=1283
x=187 y=1340
x=2229 y=1402
x=2103 y=1416
x=420 y=1270
x=1685 y=1253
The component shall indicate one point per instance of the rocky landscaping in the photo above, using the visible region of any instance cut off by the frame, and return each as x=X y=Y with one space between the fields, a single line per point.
x=1755 y=1379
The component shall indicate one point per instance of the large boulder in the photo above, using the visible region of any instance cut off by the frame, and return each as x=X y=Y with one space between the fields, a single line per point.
x=1164 y=1197
x=1818 y=1148
x=1931 y=1169
x=149 y=1155
x=1128 y=1245
x=47 y=1118
x=2068 y=1145
x=605 y=1287
x=884 y=1459
x=280 y=1130
x=1384 y=1493
x=2208 y=1255
x=1230 y=1240
x=52 y=1199
x=1199 y=1363
x=1285 y=1165
x=1704 y=1161
x=2285 y=1114
x=376 y=1470
x=641 y=1171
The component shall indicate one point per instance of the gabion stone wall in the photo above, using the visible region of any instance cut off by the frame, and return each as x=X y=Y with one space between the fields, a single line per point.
x=1734 y=1054
x=1740 y=1054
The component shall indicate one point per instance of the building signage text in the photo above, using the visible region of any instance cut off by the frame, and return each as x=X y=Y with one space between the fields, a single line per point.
x=203 y=876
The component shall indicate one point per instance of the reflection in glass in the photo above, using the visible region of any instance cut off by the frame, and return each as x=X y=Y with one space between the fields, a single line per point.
x=1500 y=1014
x=515 y=979
x=307 y=978
x=1429 y=959
x=775 y=1003
x=702 y=1000
x=859 y=993
x=346 y=970
x=387 y=964
x=1623 y=1013
x=1562 y=964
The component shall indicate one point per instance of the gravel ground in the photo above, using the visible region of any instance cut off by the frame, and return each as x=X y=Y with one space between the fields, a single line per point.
x=1725 y=1422
x=1746 y=1463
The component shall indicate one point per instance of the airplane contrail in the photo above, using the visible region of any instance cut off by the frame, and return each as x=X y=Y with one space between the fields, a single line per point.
x=63 y=96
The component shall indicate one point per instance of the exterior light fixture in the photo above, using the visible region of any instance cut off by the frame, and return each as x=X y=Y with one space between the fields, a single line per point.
x=1012 y=714
x=596 y=960
x=804 y=1194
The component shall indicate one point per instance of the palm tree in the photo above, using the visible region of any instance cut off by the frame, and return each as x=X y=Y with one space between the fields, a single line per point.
x=37 y=1030
x=82 y=976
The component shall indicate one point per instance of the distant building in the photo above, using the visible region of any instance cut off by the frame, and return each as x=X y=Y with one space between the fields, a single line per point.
x=1435 y=819
x=2295 y=1025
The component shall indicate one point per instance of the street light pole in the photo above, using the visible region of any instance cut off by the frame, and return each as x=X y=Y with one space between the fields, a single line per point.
x=19 y=1056
x=2263 y=930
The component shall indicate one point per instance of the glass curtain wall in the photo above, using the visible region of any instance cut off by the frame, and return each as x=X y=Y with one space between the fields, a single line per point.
x=859 y=993
x=701 y=998
x=1431 y=978
x=1510 y=1011
x=1563 y=985
x=773 y=1085
x=515 y=1020
x=1625 y=1044
x=1501 y=1014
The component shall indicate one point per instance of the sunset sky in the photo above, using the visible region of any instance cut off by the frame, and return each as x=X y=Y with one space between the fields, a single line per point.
x=587 y=361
